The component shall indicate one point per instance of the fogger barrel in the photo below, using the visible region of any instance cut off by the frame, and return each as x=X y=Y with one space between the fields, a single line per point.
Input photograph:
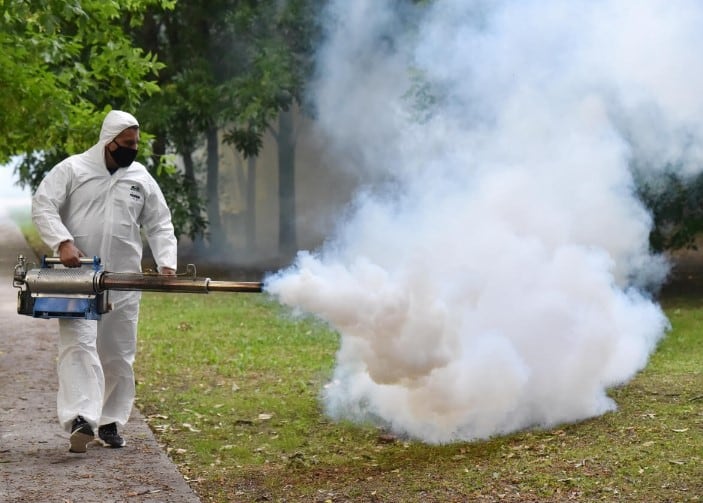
x=154 y=283
x=82 y=292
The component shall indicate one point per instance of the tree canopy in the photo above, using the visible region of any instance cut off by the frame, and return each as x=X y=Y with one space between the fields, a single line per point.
x=61 y=61
x=191 y=71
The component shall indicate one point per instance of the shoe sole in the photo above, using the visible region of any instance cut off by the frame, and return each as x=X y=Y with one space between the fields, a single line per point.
x=113 y=446
x=80 y=441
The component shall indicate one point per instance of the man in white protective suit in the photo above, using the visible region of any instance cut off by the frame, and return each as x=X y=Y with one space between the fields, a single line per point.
x=94 y=204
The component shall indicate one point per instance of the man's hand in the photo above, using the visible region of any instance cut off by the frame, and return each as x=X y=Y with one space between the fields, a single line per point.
x=167 y=271
x=69 y=255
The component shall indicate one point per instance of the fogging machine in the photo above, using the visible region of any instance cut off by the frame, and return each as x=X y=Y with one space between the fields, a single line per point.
x=83 y=292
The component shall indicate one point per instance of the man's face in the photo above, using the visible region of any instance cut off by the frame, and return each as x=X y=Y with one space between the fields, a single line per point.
x=128 y=138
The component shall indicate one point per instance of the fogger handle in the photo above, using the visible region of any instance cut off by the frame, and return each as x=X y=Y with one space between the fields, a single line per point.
x=83 y=260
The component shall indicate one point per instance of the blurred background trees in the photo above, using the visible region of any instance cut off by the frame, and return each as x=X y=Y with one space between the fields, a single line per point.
x=202 y=78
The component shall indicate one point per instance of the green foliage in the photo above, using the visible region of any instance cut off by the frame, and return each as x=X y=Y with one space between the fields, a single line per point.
x=235 y=64
x=676 y=206
x=184 y=204
x=62 y=65
x=191 y=41
x=230 y=384
x=277 y=65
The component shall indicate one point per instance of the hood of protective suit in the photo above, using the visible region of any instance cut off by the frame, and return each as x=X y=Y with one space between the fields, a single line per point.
x=115 y=122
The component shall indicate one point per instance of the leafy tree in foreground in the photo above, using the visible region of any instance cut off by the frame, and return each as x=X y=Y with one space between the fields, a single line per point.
x=63 y=64
x=63 y=61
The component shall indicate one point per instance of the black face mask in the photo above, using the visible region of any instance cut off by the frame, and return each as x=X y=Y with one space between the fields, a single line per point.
x=123 y=156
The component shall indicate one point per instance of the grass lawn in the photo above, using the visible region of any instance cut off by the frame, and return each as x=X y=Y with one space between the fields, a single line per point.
x=230 y=385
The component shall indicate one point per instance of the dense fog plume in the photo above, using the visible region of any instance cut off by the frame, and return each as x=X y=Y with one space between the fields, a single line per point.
x=489 y=276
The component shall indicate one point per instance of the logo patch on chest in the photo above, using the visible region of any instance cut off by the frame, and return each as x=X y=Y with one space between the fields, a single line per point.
x=134 y=192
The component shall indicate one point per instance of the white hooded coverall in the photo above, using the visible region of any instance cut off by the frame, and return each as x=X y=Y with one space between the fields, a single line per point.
x=102 y=214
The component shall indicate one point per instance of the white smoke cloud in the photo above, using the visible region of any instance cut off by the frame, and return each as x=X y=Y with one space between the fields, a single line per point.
x=488 y=277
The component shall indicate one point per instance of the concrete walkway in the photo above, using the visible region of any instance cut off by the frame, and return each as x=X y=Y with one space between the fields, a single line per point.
x=35 y=465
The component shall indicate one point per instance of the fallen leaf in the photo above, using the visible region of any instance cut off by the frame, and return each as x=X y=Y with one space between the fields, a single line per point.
x=189 y=427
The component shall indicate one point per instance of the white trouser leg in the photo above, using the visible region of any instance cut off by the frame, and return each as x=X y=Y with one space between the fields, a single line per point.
x=81 y=381
x=117 y=346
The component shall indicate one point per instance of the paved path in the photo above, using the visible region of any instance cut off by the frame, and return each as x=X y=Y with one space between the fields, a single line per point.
x=35 y=465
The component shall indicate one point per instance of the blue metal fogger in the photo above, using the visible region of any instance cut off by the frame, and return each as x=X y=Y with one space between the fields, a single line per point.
x=54 y=291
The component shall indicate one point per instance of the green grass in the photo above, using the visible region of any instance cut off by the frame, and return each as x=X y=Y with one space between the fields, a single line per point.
x=230 y=383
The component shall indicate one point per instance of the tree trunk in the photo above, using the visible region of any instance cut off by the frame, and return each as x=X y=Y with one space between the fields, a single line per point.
x=158 y=149
x=251 y=204
x=216 y=237
x=287 y=238
x=189 y=174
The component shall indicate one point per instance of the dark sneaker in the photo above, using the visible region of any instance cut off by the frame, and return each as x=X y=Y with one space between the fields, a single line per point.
x=108 y=434
x=81 y=435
